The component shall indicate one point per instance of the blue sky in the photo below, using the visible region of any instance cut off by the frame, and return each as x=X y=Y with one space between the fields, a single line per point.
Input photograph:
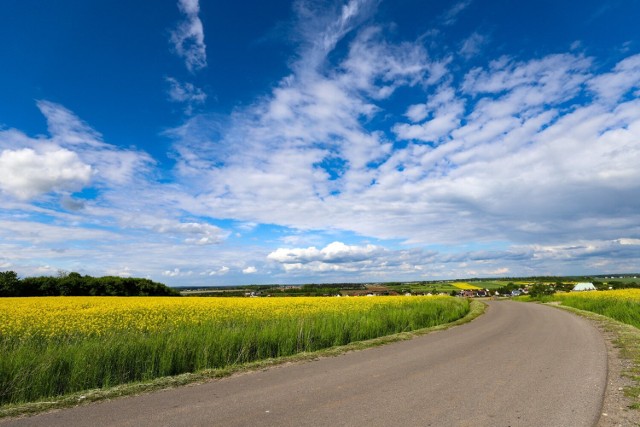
x=218 y=143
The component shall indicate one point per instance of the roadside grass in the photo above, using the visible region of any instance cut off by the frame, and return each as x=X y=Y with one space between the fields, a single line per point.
x=71 y=399
x=622 y=305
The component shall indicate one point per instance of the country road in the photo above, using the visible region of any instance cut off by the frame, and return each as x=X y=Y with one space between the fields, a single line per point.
x=517 y=365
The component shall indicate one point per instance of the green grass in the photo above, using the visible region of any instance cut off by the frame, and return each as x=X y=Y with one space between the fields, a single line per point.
x=604 y=303
x=445 y=286
x=36 y=369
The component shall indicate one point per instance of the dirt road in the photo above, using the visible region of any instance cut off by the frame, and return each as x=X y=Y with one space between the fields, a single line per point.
x=517 y=365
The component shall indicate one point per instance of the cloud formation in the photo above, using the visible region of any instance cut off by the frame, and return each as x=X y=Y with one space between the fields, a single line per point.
x=73 y=156
x=185 y=93
x=27 y=174
x=187 y=38
x=539 y=130
x=374 y=157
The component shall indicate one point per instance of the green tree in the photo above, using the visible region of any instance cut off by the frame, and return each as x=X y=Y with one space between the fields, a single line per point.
x=9 y=284
x=540 y=290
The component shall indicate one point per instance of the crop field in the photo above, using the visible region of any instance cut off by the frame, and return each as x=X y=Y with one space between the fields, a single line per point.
x=52 y=346
x=465 y=286
x=622 y=305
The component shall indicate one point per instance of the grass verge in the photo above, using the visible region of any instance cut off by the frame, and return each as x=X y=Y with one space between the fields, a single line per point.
x=627 y=339
x=477 y=308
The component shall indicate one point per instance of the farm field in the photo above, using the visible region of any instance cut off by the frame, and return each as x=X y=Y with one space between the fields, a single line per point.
x=465 y=286
x=622 y=305
x=53 y=346
x=446 y=286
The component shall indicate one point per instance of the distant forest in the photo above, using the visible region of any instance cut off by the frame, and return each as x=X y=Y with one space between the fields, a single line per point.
x=74 y=284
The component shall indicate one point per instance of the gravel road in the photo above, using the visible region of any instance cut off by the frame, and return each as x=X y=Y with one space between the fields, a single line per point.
x=517 y=365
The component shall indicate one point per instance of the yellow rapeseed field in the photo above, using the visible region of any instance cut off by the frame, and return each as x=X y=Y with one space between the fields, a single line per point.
x=52 y=346
x=52 y=317
x=465 y=286
x=622 y=305
x=620 y=294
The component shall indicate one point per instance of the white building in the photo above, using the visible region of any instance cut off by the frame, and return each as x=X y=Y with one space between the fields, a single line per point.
x=584 y=286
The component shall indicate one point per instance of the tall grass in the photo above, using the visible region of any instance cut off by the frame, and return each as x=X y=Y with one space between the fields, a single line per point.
x=37 y=367
x=622 y=305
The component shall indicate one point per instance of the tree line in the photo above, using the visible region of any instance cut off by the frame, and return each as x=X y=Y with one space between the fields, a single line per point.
x=75 y=284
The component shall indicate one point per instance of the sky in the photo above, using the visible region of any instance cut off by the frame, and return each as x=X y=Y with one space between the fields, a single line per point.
x=203 y=143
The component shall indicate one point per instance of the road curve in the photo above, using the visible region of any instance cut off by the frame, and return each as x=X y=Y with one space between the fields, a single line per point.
x=517 y=365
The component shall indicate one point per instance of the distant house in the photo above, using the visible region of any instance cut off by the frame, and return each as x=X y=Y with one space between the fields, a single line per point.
x=584 y=286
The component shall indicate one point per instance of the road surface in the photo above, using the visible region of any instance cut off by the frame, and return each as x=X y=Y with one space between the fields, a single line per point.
x=517 y=365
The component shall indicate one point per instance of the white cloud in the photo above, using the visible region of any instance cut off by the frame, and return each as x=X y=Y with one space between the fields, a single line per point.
x=219 y=272
x=320 y=30
x=188 y=37
x=451 y=16
x=336 y=252
x=112 y=165
x=172 y=273
x=307 y=156
x=446 y=113
x=26 y=173
x=378 y=67
x=334 y=257
x=472 y=45
x=308 y=131
x=615 y=84
x=417 y=112
x=185 y=93
x=33 y=233
x=199 y=233
x=66 y=129
x=536 y=156
x=121 y=272
x=71 y=158
x=629 y=241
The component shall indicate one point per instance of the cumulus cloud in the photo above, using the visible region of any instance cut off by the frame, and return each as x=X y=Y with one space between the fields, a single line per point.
x=414 y=264
x=336 y=256
x=188 y=37
x=336 y=252
x=72 y=157
x=26 y=173
x=250 y=270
